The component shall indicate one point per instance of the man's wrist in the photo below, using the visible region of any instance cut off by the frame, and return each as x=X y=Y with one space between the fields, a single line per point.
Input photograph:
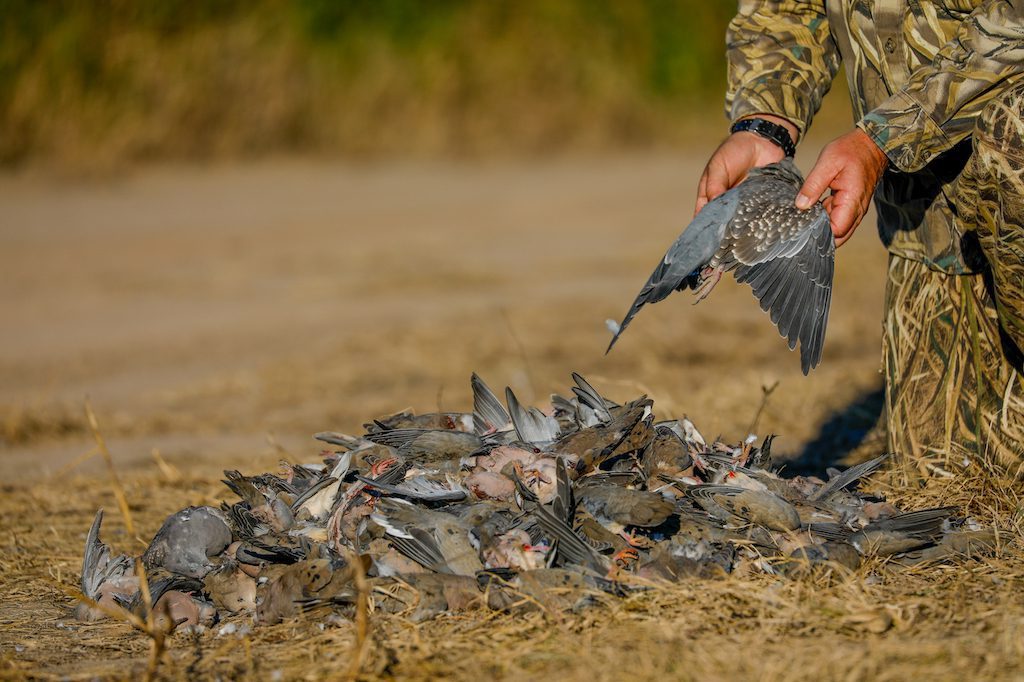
x=876 y=150
x=775 y=133
x=794 y=132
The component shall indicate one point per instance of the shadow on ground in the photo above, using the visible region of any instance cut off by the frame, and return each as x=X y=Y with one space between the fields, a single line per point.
x=852 y=434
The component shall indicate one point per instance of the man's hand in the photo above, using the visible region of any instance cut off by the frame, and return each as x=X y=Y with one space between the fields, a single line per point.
x=735 y=157
x=850 y=166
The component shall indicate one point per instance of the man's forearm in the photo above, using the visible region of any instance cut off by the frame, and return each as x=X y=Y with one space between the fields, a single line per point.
x=937 y=108
x=781 y=60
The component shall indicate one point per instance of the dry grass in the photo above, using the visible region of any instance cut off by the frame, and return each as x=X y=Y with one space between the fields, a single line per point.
x=940 y=622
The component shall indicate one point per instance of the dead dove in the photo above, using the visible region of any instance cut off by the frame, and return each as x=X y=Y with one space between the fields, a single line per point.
x=617 y=508
x=425 y=595
x=231 y=588
x=902 y=533
x=107 y=581
x=187 y=540
x=290 y=589
x=785 y=254
x=435 y=539
x=752 y=506
x=177 y=600
x=436 y=448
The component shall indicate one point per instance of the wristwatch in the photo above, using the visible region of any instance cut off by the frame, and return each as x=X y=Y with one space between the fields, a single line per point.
x=768 y=130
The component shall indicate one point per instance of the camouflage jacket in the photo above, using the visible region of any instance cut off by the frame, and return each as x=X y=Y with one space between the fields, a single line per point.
x=919 y=72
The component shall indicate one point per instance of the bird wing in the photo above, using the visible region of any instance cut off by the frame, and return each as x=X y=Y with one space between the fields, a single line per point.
x=488 y=413
x=923 y=522
x=395 y=438
x=690 y=251
x=531 y=425
x=788 y=259
x=419 y=488
x=847 y=477
x=571 y=548
x=98 y=566
x=588 y=395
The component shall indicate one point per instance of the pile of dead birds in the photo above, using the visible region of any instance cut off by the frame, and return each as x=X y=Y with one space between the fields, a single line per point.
x=508 y=508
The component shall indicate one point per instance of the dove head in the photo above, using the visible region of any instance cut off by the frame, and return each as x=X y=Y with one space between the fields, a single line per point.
x=783 y=170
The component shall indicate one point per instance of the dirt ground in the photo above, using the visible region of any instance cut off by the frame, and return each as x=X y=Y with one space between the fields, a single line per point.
x=218 y=316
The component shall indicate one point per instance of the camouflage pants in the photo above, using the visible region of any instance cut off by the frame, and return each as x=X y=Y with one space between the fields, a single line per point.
x=952 y=344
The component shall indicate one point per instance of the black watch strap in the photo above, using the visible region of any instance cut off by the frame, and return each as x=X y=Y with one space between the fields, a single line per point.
x=768 y=130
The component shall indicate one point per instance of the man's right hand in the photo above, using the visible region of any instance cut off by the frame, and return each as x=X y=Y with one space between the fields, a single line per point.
x=735 y=157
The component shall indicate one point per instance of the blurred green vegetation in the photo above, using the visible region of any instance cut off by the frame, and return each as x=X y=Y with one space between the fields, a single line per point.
x=89 y=82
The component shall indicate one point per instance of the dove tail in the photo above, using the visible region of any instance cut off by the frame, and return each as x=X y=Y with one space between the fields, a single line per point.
x=689 y=253
x=633 y=310
x=95 y=551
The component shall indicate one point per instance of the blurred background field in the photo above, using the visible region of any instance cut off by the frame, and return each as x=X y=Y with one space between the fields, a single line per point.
x=87 y=86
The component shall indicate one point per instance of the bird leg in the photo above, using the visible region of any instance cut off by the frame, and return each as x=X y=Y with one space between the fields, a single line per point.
x=633 y=540
x=376 y=469
x=744 y=455
x=531 y=477
x=709 y=277
x=382 y=465
x=624 y=557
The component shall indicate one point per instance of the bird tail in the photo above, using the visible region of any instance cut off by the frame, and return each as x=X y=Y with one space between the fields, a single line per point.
x=687 y=255
x=652 y=292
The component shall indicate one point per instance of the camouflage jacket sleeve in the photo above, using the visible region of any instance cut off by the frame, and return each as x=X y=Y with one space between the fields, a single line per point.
x=781 y=59
x=938 y=106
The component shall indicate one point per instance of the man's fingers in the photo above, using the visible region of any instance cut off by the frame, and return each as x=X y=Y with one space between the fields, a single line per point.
x=702 y=193
x=717 y=183
x=818 y=180
x=843 y=216
x=712 y=185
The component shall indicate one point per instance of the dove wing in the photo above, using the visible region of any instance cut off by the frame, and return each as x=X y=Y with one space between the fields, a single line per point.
x=420 y=546
x=488 y=412
x=531 y=425
x=922 y=521
x=847 y=477
x=790 y=268
x=690 y=252
x=418 y=488
x=95 y=559
x=588 y=395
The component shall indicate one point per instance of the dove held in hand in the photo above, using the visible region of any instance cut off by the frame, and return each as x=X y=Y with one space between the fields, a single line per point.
x=755 y=230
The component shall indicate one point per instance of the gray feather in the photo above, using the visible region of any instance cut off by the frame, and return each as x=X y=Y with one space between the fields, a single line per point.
x=691 y=251
x=531 y=424
x=488 y=412
x=786 y=255
x=588 y=395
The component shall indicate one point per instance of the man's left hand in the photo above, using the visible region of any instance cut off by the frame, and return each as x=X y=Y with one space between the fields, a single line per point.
x=850 y=166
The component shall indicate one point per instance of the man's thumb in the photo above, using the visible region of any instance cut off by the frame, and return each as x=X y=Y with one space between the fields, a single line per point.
x=814 y=186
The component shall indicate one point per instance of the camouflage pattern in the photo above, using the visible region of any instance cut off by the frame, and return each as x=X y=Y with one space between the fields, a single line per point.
x=919 y=72
x=990 y=201
x=952 y=351
x=939 y=86
x=950 y=394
